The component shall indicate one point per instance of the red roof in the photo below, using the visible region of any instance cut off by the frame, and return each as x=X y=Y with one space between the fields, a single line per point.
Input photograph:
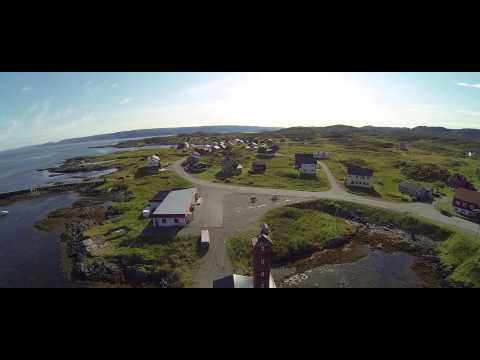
x=468 y=196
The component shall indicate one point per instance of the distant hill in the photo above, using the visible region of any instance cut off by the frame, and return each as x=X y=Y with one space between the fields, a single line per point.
x=401 y=134
x=165 y=132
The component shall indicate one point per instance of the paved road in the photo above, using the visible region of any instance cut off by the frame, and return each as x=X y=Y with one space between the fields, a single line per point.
x=219 y=200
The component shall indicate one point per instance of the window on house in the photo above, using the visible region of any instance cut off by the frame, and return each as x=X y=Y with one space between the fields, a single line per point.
x=176 y=221
x=262 y=261
x=262 y=274
x=164 y=221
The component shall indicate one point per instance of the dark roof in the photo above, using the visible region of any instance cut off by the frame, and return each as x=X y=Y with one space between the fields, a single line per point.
x=304 y=159
x=467 y=195
x=265 y=229
x=414 y=186
x=265 y=238
x=359 y=171
x=234 y=282
x=259 y=163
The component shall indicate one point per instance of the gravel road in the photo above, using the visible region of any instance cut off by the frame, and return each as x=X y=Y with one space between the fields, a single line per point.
x=217 y=206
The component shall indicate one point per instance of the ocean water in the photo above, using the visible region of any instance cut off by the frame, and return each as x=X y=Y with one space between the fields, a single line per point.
x=18 y=168
x=28 y=257
x=31 y=258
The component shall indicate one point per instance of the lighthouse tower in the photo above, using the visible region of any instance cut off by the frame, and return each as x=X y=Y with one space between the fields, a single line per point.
x=262 y=259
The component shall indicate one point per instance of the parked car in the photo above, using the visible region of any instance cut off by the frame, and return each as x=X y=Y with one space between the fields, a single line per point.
x=204 y=239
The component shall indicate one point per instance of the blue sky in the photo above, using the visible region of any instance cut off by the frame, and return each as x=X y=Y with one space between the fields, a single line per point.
x=41 y=107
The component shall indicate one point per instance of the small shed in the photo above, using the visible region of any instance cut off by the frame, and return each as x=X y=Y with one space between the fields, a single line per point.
x=259 y=167
x=416 y=191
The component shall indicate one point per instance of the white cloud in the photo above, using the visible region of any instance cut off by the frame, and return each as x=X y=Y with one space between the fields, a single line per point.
x=125 y=101
x=471 y=85
x=114 y=85
x=26 y=89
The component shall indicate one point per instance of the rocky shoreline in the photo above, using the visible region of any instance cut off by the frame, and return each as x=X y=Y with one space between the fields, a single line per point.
x=84 y=255
x=371 y=237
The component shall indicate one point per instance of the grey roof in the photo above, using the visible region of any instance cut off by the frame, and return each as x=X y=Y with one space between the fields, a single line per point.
x=359 y=171
x=160 y=196
x=234 y=282
x=259 y=163
x=176 y=202
x=414 y=186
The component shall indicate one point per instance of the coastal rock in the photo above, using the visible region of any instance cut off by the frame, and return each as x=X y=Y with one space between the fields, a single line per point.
x=89 y=247
x=136 y=275
x=98 y=270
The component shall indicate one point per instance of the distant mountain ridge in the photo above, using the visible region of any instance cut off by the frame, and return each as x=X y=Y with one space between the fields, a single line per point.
x=399 y=133
x=403 y=134
x=144 y=133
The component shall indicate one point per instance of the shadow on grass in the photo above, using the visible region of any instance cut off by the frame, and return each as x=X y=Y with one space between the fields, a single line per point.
x=152 y=235
x=307 y=177
x=142 y=172
x=363 y=191
x=221 y=176
x=265 y=156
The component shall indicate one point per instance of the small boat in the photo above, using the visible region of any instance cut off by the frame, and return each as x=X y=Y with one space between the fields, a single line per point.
x=3 y=213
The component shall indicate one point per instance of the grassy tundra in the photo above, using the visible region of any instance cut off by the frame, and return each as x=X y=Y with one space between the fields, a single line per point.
x=125 y=238
x=301 y=229
x=280 y=172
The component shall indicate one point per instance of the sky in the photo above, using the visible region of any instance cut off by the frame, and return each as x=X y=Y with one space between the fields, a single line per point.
x=41 y=107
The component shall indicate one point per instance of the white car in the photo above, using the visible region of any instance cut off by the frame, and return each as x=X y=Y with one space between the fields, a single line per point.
x=204 y=239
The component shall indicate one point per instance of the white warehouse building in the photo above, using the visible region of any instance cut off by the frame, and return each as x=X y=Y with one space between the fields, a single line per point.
x=175 y=209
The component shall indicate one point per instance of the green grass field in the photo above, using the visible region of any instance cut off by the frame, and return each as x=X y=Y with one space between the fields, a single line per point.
x=386 y=159
x=280 y=173
x=162 y=250
x=296 y=233
x=299 y=229
x=462 y=254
